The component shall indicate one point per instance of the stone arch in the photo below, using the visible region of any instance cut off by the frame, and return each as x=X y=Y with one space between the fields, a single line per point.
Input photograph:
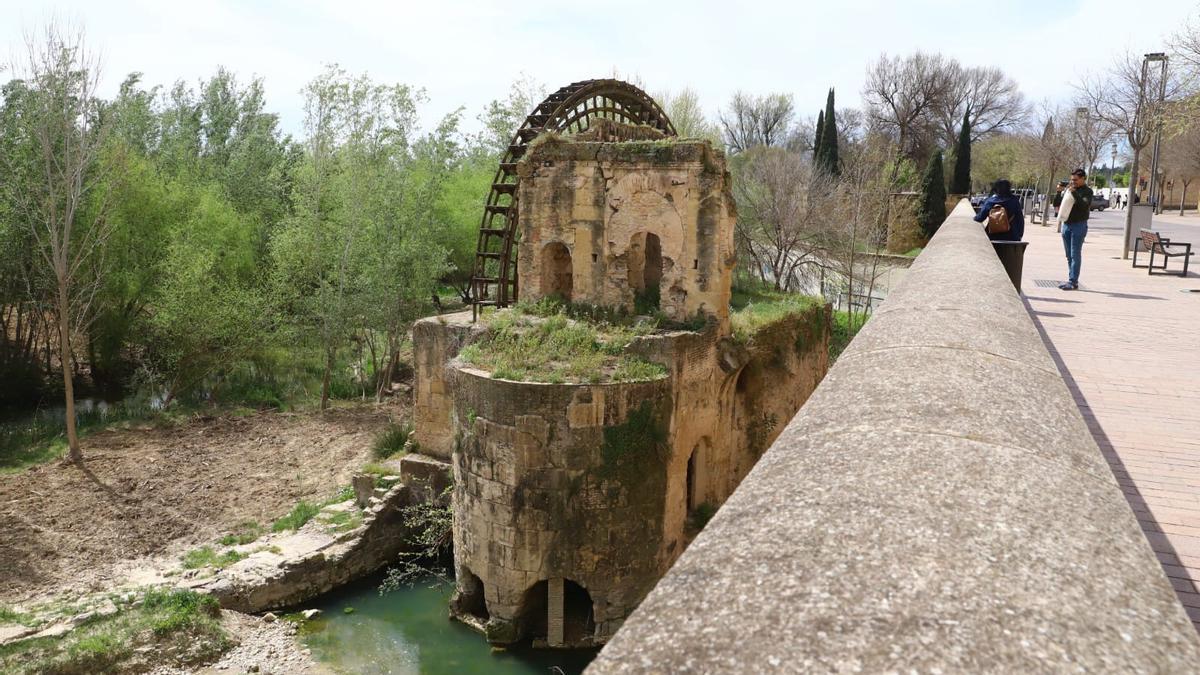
x=556 y=270
x=579 y=614
x=645 y=270
x=531 y=614
x=470 y=599
x=696 y=477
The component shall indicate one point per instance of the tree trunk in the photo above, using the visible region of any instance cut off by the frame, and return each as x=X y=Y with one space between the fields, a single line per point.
x=1183 y=197
x=74 y=453
x=329 y=355
x=1133 y=181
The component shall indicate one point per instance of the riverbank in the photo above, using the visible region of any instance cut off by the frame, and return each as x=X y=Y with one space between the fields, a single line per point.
x=152 y=492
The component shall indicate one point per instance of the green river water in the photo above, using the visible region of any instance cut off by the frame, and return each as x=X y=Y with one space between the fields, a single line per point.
x=407 y=631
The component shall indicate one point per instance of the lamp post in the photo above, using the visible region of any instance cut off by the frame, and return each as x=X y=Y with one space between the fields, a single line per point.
x=1112 y=187
x=1081 y=122
x=1161 y=59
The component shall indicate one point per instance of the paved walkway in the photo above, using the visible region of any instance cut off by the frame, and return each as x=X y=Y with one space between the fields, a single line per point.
x=1128 y=345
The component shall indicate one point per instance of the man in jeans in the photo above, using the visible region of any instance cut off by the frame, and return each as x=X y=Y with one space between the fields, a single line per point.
x=1076 y=207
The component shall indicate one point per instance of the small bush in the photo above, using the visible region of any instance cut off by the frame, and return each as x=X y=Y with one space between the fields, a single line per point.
x=700 y=515
x=844 y=330
x=391 y=440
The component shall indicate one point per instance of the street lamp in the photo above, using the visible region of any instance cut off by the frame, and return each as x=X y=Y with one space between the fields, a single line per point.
x=1081 y=122
x=1112 y=187
x=1161 y=59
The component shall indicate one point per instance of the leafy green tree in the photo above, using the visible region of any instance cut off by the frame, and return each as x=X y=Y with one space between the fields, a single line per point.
x=60 y=126
x=960 y=183
x=932 y=210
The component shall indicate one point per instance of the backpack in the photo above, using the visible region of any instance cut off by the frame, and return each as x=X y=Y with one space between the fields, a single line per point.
x=997 y=220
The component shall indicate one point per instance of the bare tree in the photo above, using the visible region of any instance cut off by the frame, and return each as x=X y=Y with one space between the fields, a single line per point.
x=992 y=101
x=902 y=93
x=1126 y=96
x=750 y=120
x=58 y=195
x=1054 y=150
x=776 y=228
x=1181 y=158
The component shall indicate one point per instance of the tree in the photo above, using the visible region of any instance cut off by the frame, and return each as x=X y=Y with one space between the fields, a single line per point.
x=778 y=213
x=684 y=110
x=932 y=211
x=827 y=159
x=991 y=100
x=756 y=120
x=1181 y=154
x=960 y=183
x=59 y=197
x=903 y=93
x=817 y=139
x=1126 y=96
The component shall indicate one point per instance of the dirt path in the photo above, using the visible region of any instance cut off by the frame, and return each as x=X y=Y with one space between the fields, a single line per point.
x=159 y=490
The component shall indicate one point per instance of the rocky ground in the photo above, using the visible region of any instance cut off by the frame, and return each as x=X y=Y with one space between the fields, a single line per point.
x=154 y=491
x=266 y=646
x=147 y=494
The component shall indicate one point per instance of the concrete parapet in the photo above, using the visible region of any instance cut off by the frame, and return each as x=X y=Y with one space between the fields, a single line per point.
x=938 y=504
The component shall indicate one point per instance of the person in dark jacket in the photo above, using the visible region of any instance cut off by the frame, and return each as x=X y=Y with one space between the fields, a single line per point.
x=1002 y=195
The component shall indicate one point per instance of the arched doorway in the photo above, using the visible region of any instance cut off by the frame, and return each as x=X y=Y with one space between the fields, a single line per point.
x=579 y=617
x=645 y=269
x=532 y=614
x=470 y=599
x=556 y=271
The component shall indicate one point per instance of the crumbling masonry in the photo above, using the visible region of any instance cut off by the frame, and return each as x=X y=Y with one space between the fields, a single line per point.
x=571 y=500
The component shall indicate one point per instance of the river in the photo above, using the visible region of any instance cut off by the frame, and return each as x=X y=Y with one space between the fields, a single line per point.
x=408 y=631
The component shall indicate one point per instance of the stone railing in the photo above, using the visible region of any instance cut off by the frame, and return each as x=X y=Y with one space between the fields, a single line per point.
x=938 y=505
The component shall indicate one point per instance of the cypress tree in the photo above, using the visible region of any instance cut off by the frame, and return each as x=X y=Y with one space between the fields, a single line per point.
x=829 y=140
x=817 y=138
x=960 y=183
x=932 y=209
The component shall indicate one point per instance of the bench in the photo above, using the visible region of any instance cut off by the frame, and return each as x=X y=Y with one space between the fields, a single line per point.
x=1157 y=244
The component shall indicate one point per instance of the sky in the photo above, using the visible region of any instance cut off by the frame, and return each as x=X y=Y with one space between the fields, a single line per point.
x=467 y=53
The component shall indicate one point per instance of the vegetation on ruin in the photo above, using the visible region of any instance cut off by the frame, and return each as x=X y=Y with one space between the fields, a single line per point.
x=845 y=327
x=755 y=306
x=525 y=346
x=179 y=624
x=206 y=556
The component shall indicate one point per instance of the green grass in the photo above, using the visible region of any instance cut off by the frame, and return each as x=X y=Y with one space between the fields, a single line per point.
x=843 y=332
x=343 y=521
x=168 y=626
x=10 y=615
x=556 y=349
x=205 y=556
x=390 y=442
x=300 y=514
x=305 y=511
x=914 y=252
x=759 y=307
x=41 y=437
x=244 y=534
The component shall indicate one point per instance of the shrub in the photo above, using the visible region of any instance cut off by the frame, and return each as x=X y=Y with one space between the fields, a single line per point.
x=300 y=514
x=391 y=440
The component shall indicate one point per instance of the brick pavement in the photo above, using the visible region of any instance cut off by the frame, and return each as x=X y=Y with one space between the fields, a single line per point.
x=1128 y=345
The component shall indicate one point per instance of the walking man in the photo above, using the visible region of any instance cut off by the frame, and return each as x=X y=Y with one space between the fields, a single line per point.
x=1073 y=214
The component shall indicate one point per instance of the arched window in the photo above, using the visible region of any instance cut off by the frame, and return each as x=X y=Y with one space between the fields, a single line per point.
x=556 y=270
x=645 y=269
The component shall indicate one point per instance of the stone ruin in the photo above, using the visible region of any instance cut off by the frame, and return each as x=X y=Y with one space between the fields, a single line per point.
x=572 y=499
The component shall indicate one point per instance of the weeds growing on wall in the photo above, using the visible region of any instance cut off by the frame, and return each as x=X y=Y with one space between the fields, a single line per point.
x=556 y=349
x=391 y=440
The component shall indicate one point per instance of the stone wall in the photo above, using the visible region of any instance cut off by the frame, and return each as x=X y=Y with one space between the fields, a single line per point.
x=601 y=200
x=938 y=505
x=554 y=482
x=436 y=340
x=539 y=502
